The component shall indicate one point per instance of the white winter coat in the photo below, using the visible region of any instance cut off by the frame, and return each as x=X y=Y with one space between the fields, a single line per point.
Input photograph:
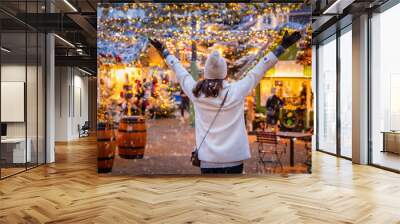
x=227 y=140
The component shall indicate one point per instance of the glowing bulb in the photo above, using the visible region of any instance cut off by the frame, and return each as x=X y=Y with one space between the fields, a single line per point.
x=120 y=74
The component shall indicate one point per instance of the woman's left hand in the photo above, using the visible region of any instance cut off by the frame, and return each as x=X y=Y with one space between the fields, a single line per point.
x=159 y=46
x=289 y=40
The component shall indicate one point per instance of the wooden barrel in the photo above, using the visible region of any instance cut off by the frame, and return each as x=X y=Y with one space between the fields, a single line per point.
x=132 y=137
x=105 y=147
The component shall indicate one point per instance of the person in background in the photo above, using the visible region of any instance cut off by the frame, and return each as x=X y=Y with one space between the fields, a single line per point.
x=250 y=112
x=184 y=103
x=226 y=146
x=273 y=106
x=303 y=94
x=261 y=126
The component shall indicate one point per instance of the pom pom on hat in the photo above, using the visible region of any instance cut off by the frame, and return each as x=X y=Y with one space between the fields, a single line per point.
x=215 y=67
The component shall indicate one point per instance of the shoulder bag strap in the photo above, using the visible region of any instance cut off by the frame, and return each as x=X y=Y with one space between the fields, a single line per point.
x=212 y=122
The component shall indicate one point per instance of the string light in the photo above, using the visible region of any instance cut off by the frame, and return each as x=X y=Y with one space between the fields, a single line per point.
x=124 y=29
x=173 y=24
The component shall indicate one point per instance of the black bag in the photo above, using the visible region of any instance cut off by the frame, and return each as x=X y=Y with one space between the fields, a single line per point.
x=195 y=154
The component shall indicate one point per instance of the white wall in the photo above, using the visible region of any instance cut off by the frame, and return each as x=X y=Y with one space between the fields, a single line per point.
x=80 y=104
x=71 y=102
x=61 y=103
x=12 y=73
x=33 y=127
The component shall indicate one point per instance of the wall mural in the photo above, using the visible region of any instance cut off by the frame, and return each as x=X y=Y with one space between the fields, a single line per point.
x=152 y=57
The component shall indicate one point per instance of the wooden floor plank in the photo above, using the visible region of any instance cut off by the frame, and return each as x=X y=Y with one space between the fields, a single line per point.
x=70 y=191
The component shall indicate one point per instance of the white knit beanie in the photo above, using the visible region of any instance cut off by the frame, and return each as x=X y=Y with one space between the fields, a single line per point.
x=215 y=67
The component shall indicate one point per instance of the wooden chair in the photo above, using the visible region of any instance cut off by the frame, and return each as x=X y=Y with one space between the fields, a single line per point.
x=269 y=145
x=84 y=129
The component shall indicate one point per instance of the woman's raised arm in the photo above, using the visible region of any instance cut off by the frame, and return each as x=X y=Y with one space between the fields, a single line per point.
x=185 y=79
x=253 y=77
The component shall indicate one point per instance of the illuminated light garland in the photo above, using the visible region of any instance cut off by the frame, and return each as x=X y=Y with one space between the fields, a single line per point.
x=124 y=34
x=183 y=8
x=122 y=30
x=120 y=24
x=184 y=14
x=187 y=37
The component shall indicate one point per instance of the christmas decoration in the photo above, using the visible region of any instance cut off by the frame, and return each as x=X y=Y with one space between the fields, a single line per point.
x=240 y=27
x=133 y=77
x=305 y=53
x=163 y=105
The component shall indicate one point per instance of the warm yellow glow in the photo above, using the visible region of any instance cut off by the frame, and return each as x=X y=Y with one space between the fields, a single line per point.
x=198 y=25
x=220 y=49
x=253 y=51
x=120 y=74
x=288 y=87
x=132 y=72
x=289 y=69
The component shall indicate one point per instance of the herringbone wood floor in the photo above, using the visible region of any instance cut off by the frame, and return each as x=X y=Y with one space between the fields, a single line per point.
x=70 y=191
